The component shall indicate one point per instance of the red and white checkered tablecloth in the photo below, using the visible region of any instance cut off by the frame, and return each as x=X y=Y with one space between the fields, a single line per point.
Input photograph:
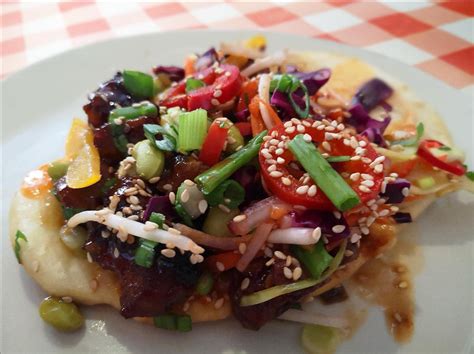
x=435 y=37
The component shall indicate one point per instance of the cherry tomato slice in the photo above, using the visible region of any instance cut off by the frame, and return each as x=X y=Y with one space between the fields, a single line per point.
x=225 y=87
x=278 y=165
x=424 y=151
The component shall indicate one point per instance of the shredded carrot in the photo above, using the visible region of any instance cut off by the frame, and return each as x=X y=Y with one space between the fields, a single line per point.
x=189 y=65
x=256 y=120
x=273 y=115
x=247 y=92
x=227 y=259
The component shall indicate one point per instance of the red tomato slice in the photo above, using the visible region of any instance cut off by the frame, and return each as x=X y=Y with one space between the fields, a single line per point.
x=244 y=127
x=176 y=96
x=214 y=142
x=277 y=167
x=225 y=87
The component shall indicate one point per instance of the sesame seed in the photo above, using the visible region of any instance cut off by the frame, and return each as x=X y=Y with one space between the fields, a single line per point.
x=368 y=183
x=316 y=234
x=105 y=233
x=172 y=197
x=202 y=206
x=186 y=306
x=224 y=208
x=245 y=284
x=370 y=220
x=326 y=146
x=268 y=252
x=405 y=191
x=337 y=214
x=341 y=127
x=276 y=174
x=377 y=161
x=378 y=168
x=196 y=258
x=240 y=218
x=279 y=254
x=217 y=93
x=150 y=226
x=366 y=160
x=297 y=273
x=136 y=207
x=290 y=130
x=288 y=124
x=271 y=168
x=312 y=191
x=364 y=189
x=348 y=253
x=366 y=176
x=274 y=142
x=321 y=127
x=280 y=160
x=116 y=253
x=287 y=273
x=242 y=248
x=394 y=208
x=270 y=262
x=398 y=317
x=286 y=181
x=306 y=123
x=215 y=102
x=295 y=120
x=89 y=257
x=403 y=285
x=134 y=200
x=185 y=196
x=270 y=161
x=302 y=190
x=355 y=238
x=174 y=231
x=307 y=138
x=365 y=230
x=220 y=267
x=337 y=229
x=219 y=303
x=288 y=261
x=167 y=187
x=118 y=121
x=279 y=151
x=67 y=299
x=300 y=128
x=189 y=183
x=168 y=253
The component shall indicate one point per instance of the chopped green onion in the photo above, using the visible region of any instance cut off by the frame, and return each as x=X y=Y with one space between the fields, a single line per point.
x=138 y=84
x=228 y=193
x=57 y=169
x=157 y=218
x=165 y=322
x=193 y=84
x=343 y=158
x=205 y=284
x=288 y=84
x=425 y=182
x=19 y=236
x=470 y=175
x=168 y=143
x=145 y=253
x=213 y=177
x=120 y=140
x=273 y=292
x=316 y=259
x=145 y=108
x=281 y=83
x=173 y=322
x=318 y=339
x=217 y=220
x=444 y=148
x=182 y=213
x=420 y=130
x=192 y=130
x=69 y=212
x=184 y=323
x=326 y=178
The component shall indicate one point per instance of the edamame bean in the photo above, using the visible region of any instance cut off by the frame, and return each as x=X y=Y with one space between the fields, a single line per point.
x=150 y=161
x=61 y=315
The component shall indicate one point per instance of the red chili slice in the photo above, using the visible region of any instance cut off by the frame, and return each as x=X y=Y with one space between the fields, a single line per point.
x=277 y=163
x=424 y=151
x=214 y=143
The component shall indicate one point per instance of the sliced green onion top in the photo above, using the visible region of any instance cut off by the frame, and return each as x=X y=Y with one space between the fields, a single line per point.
x=326 y=178
x=19 y=236
x=343 y=158
x=120 y=140
x=145 y=253
x=288 y=84
x=192 y=130
x=138 y=84
x=316 y=259
x=273 y=292
x=420 y=130
x=193 y=84
x=228 y=193
x=183 y=214
x=145 y=108
x=213 y=177
x=157 y=218
x=318 y=339
x=169 y=136
x=470 y=175
x=181 y=323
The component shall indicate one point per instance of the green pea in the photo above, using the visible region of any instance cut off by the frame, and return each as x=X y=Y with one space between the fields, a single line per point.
x=217 y=220
x=150 y=161
x=205 y=284
x=236 y=139
x=73 y=238
x=61 y=315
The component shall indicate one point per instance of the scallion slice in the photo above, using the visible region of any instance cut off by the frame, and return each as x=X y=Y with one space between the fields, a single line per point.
x=19 y=236
x=326 y=178
x=184 y=323
x=192 y=130
x=138 y=84
x=181 y=323
x=205 y=284
x=213 y=177
x=145 y=253
x=193 y=84
x=157 y=218
x=273 y=292
x=316 y=259
x=145 y=108
x=228 y=193
x=342 y=158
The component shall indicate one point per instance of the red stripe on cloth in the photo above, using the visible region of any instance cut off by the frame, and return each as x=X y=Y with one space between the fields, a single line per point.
x=465 y=7
x=462 y=59
x=69 y=5
x=270 y=17
x=84 y=28
x=10 y=18
x=12 y=46
x=164 y=10
x=400 y=25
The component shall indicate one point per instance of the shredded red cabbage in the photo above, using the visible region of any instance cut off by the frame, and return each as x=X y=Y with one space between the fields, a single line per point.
x=174 y=73
x=372 y=93
x=161 y=205
x=402 y=218
x=242 y=115
x=325 y=220
x=394 y=191
x=205 y=60
x=314 y=80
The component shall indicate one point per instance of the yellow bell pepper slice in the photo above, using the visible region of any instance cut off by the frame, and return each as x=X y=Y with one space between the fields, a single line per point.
x=84 y=169
x=256 y=42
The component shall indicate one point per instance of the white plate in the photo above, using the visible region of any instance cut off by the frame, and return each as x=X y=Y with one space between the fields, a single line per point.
x=38 y=105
